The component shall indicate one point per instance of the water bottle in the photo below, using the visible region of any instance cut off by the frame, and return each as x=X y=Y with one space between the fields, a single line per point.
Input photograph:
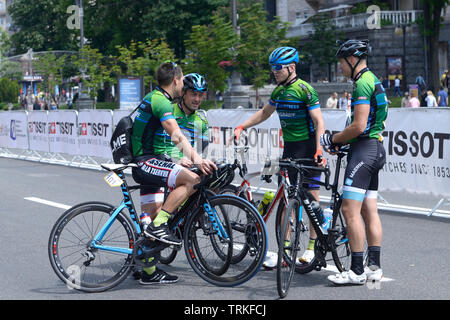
x=264 y=204
x=145 y=220
x=327 y=217
x=318 y=211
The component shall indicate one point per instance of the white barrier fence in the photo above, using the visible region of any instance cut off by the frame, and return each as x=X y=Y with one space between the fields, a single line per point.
x=417 y=142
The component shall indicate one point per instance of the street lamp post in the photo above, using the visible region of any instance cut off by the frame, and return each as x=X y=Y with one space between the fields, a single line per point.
x=236 y=96
x=84 y=100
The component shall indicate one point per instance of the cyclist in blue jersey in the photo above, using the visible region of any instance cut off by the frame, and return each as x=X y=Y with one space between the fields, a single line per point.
x=364 y=160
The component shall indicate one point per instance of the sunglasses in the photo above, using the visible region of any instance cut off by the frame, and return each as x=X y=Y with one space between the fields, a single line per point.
x=278 y=67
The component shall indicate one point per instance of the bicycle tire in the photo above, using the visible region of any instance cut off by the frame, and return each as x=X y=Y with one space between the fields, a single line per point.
x=288 y=248
x=239 y=252
x=341 y=253
x=304 y=236
x=63 y=231
x=256 y=239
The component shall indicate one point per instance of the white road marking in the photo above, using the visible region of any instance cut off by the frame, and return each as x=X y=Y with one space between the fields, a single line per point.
x=48 y=203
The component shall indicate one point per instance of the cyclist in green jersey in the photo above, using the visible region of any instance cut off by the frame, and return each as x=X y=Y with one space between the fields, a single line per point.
x=298 y=108
x=364 y=160
x=154 y=118
x=192 y=121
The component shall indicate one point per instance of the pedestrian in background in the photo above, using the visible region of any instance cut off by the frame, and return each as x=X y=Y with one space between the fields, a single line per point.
x=397 y=91
x=442 y=98
x=343 y=101
x=405 y=100
x=332 y=101
x=430 y=99
x=413 y=101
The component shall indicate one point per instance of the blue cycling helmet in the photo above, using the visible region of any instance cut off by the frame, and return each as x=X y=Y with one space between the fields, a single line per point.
x=283 y=55
x=195 y=82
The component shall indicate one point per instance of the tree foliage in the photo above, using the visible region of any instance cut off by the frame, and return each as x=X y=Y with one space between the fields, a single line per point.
x=258 y=38
x=51 y=69
x=142 y=59
x=321 y=46
x=9 y=90
x=207 y=46
x=93 y=64
x=432 y=20
x=42 y=25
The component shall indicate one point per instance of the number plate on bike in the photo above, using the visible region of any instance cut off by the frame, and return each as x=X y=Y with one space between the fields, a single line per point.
x=113 y=180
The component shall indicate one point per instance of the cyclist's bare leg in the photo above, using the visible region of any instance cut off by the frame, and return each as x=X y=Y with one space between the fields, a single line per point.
x=355 y=226
x=152 y=209
x=372 y=221
x=184 y=187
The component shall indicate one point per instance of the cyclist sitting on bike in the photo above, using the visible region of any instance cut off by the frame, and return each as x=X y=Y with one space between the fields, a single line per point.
x=192 y=122
x=298 y=108
x=154 y=120
x=365 y=158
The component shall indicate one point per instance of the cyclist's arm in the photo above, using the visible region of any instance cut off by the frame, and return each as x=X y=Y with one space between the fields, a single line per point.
x=178 y=138
x=316 y=116
x=259 y=116
x=359 y=124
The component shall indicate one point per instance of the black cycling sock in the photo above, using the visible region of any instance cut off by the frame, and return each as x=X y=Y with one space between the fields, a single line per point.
x=357 y=263
x=374 y=256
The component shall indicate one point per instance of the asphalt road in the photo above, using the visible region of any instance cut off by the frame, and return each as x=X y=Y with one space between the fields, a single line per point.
x=415 y=252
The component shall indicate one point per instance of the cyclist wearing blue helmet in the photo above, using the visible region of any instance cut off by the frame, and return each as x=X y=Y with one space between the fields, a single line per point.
x=298 y=108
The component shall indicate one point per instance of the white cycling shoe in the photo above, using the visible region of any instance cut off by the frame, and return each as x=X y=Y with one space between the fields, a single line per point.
x=348 y=278
x=374 y=273
x=271 y=260
x=307 y=257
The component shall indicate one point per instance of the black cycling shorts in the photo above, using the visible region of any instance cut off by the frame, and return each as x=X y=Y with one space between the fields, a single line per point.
x=302 y=149
x=364 y=160
x=156 y=173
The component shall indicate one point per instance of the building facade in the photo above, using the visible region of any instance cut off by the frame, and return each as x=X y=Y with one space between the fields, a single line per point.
x=398 y=45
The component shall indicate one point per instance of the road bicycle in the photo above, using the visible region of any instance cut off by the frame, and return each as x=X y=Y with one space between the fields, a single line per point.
x=244 y=190
x=331 y=235
x=94 y=246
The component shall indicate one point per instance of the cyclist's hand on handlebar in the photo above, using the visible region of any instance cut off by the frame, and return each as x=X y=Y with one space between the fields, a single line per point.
x=318 y=157
x=207 y=166
x=185 y=162
x=326 y=140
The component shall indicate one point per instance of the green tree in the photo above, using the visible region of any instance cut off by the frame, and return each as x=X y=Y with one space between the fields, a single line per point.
x=206 y=47
x=9 y=90
x=321 y=46
x=142 y=59
x=51 y=69
x=92 y=63
x=42 y=25
x=432 y=21
x=259 y=38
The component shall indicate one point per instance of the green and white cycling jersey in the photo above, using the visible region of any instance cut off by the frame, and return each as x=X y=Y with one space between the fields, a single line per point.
x=369 y=90
x=195 y=127
x=293 y=103
x=148 y=136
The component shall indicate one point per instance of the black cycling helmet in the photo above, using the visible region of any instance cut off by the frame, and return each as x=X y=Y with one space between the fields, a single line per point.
x=195 y=82
x=356 y=48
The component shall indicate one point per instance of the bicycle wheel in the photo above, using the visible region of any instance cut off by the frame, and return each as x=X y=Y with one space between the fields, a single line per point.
x=280 y=211
x=287 y=250
x=169 y=254
x=304 y=237
x=76 y=262
x=342 y=253
x=202 y=249
x=238 y=222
